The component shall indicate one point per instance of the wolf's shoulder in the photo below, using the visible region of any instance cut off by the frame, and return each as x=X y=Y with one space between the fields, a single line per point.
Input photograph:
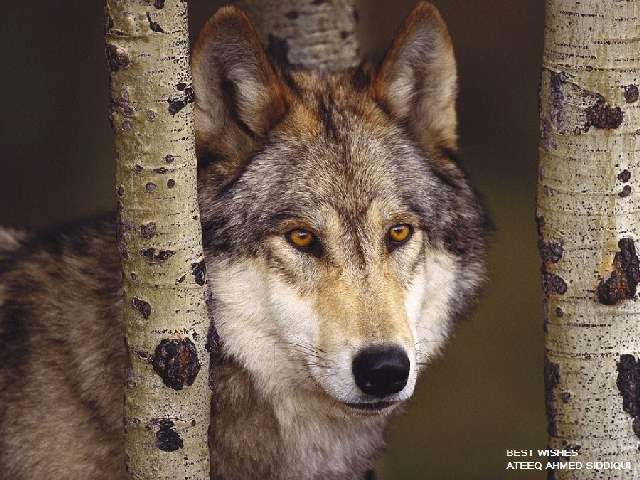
x=81 y=238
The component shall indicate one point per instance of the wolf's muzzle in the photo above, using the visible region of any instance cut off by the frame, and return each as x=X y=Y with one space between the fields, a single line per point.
x=381 y=370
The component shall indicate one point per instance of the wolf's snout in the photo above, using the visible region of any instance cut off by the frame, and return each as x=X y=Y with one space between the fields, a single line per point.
x=381 y=370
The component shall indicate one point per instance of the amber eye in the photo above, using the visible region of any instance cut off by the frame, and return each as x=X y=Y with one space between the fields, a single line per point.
x=302 y=239
x=399 y=234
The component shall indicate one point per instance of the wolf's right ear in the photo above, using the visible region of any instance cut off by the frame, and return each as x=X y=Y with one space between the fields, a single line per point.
x=239 y=96
x=417 y=81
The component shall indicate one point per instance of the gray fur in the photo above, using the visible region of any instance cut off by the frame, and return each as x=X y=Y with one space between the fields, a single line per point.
x=322 y=150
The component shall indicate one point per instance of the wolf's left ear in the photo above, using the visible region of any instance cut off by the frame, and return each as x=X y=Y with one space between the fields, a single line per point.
x=417 y=82
x=239 y=95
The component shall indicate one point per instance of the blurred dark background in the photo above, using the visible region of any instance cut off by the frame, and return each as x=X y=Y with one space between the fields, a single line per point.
x=485 y=394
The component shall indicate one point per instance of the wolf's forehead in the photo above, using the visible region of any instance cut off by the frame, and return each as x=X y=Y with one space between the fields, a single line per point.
x=351 y=171
x=337 y=141
x=337 y=149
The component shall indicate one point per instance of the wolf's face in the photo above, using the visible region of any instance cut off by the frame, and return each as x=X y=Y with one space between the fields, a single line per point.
x=341 y=238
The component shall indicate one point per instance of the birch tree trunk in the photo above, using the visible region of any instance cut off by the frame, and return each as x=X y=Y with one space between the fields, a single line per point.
x=319 y=35
x=167 y=394
x=589 y=223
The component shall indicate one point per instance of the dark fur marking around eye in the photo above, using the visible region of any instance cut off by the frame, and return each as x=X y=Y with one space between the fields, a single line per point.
x=314 y=248
x=394 y=244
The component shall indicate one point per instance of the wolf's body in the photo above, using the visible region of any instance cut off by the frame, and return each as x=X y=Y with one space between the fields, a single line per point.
x=345 y=158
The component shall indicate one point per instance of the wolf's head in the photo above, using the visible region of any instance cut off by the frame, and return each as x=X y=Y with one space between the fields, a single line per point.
x=342 y=239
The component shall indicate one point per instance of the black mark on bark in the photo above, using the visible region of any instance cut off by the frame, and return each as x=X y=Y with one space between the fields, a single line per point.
x=150 y=187
x=624 y=176
x=143 y=307
x=148 y=230
x=551 y=381
x=553 y=284
x=117 y=58
x=171 y=183
x=169 y=158
x=622 y=282
x=626 y=191
x=122 y=105
x=155 y=26
x=161 y=170
x=574 y=109
x=178 y=102
x=292 y=15
x=628 y=383
x=159 y=4
x=545 y=135
x=199 y=271
x=167 y=439
x=603 y=116
x=631 y=93
x=155 y=256
x=176 y=362
x=559 y=312
x=551 y=251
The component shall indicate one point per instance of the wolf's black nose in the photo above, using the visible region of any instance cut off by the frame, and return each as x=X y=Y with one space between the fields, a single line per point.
x=381 y=370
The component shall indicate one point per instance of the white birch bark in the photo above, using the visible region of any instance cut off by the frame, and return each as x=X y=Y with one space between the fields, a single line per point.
x=167 y=393
x=589 y=222
x=313 y=34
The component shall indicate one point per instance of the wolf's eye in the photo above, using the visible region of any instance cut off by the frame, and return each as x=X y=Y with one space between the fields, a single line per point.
x=399 y=234
x=303 y=240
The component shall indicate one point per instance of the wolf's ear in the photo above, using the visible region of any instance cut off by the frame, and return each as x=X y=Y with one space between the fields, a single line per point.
x=239 y=96
x=417 y=81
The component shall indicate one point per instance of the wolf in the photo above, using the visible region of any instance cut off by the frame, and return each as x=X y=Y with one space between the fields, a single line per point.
x=342 y=241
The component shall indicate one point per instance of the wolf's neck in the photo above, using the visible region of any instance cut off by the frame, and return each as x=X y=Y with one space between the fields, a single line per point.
x=295 y=436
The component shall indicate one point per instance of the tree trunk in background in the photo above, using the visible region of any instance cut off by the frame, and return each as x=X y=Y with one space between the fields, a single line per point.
x=167 y=392
x=319 y=35
x=589 y=223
